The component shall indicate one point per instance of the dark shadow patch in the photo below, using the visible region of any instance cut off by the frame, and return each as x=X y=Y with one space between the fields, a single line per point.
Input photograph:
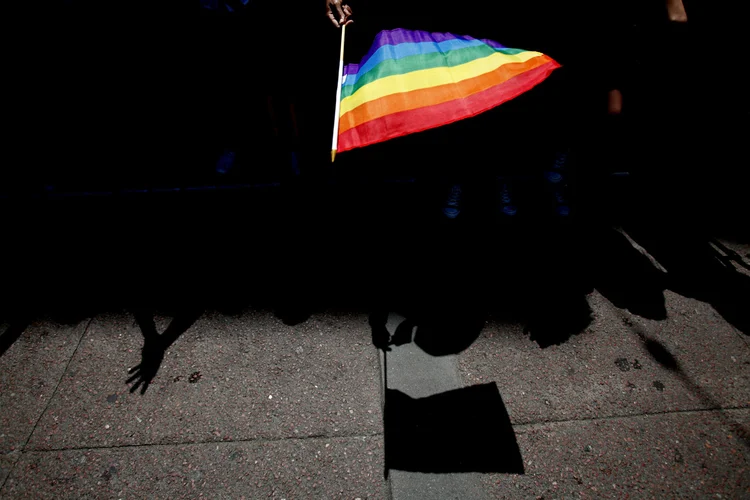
x=697 y=268
x=448 y=332
x=661 y=354
x=560 y=317
x=404 y=333
x=627 y=278
x=156 y=345
x=464 y=430
x=11 y=334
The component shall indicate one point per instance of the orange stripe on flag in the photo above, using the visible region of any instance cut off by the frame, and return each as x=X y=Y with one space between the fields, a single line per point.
x=406 y=101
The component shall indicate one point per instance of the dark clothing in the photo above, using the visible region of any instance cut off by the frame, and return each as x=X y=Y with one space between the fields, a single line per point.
x=135 y=95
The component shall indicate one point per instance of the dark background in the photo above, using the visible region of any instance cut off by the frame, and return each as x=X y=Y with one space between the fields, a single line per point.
x=122 y=95
x=113 y=108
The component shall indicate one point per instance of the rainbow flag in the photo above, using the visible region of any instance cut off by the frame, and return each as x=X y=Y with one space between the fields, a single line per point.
x=412 y=81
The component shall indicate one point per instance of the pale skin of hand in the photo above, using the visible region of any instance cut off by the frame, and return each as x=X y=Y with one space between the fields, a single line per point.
x=338 y=12
x=677 y=14
x=614 y=105
x=676 y=11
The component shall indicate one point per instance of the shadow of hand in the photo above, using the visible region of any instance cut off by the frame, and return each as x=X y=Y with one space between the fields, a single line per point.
x=155 y=345
x=151 y=357
x=381 y=338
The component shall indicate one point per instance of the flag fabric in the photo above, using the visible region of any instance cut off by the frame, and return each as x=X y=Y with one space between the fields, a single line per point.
x=410 y=81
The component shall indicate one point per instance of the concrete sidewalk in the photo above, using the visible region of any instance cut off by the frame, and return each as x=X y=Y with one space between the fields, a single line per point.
x=245 y=406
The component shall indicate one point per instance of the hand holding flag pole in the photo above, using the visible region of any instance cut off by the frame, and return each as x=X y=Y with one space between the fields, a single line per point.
x=335 y=140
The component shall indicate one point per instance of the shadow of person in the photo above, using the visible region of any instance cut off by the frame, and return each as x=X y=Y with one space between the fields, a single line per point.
x=440 y=325
x=626 y=277
x=381 y=337
x=561 y=315
x=445 y=330
x=697 y=268
x=551 y=278
x=448 y=306
x=156 y=345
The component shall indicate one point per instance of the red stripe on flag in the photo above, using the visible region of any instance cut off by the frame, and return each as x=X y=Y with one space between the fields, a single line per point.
x=439 y=94
x=418 y=120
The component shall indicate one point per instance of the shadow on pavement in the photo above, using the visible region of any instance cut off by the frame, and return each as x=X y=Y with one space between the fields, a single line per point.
x=661 y=354
x=464 y=430
x=626 y=277
x=700 y=267
x=297 y=252
x=11 y=334
x=155 y=345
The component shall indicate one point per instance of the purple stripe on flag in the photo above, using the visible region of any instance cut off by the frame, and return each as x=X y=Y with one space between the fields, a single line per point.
x=400 y=35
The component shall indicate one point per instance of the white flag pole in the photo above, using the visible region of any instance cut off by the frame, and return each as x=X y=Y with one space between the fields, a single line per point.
x=335 y=141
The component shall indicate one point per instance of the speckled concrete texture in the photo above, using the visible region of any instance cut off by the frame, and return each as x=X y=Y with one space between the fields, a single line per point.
x=620 y=365
x=226 y=378
x=30 y=370
x=244 y=405
x=703 y=454
x=346 y=468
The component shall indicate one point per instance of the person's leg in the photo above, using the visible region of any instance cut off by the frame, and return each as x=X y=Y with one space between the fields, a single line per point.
x=559 y=132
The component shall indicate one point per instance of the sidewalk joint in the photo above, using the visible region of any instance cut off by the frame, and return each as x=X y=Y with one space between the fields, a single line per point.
x=718 y=409
x=49 y=401
x=197 y=443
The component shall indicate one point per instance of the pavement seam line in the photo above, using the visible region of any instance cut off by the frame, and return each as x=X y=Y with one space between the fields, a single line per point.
x=383 y=366
x=49 y=401
x=718 y=409
x=200 y=443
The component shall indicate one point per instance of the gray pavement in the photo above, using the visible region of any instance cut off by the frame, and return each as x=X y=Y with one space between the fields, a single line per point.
x=244 y=406
x=608 y=370
x=419 y=375
x=243 y=378
x=30 y=372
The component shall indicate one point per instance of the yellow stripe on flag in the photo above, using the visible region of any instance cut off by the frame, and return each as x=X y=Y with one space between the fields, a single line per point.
x=430 y=78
